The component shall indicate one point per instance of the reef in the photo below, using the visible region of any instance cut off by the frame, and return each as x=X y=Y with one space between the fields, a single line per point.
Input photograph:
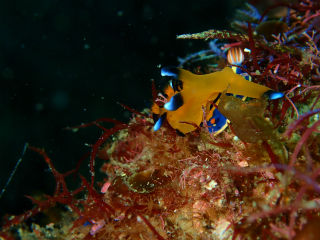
x=258 y=179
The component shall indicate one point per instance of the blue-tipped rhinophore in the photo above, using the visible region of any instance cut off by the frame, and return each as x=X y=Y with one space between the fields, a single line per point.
x=272 y=95
x=160 y=121
x=170 y=71
x=175 y=102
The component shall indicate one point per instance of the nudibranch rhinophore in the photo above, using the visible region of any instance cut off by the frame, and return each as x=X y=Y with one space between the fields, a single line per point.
x=189 y=93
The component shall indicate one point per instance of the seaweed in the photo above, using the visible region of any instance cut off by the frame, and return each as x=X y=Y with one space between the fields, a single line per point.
x=257 y=179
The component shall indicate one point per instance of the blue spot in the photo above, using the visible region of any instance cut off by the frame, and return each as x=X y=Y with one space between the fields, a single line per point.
x=86 y=224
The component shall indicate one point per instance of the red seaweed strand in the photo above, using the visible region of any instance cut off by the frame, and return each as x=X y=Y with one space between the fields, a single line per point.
x=271 y=154
x=109 y=120
x=298 y=121
x=157 y=235
x=101 y=204
x=79 y=164
x=281 y=61
x=302 y=141
x=134 y=111
x=154 y=91
x=252 y=46
x=95 y=148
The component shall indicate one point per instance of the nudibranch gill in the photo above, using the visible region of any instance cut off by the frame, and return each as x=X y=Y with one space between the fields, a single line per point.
x=189 y=93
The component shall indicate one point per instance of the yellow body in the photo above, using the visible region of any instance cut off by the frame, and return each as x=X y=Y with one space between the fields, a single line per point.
x=199 y=89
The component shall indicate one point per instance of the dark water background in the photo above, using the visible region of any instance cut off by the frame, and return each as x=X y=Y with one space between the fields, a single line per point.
x=63 y=63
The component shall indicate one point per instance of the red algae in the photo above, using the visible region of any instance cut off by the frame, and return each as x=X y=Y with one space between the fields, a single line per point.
x=259 y=179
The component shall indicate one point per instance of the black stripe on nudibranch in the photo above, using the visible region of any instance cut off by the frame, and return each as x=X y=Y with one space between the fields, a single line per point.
x=177 y=85
x=272 y=95
x=175 y=102
x=217 y=98
x=181 y=134
x=160 y=121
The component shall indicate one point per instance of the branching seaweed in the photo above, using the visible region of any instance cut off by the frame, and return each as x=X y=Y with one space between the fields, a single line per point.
x=160 y=185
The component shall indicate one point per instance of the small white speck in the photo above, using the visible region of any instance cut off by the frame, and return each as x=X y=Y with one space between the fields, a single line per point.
x=212 y=184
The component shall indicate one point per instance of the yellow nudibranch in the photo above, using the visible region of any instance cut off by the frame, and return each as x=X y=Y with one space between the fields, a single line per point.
x=189 y=93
